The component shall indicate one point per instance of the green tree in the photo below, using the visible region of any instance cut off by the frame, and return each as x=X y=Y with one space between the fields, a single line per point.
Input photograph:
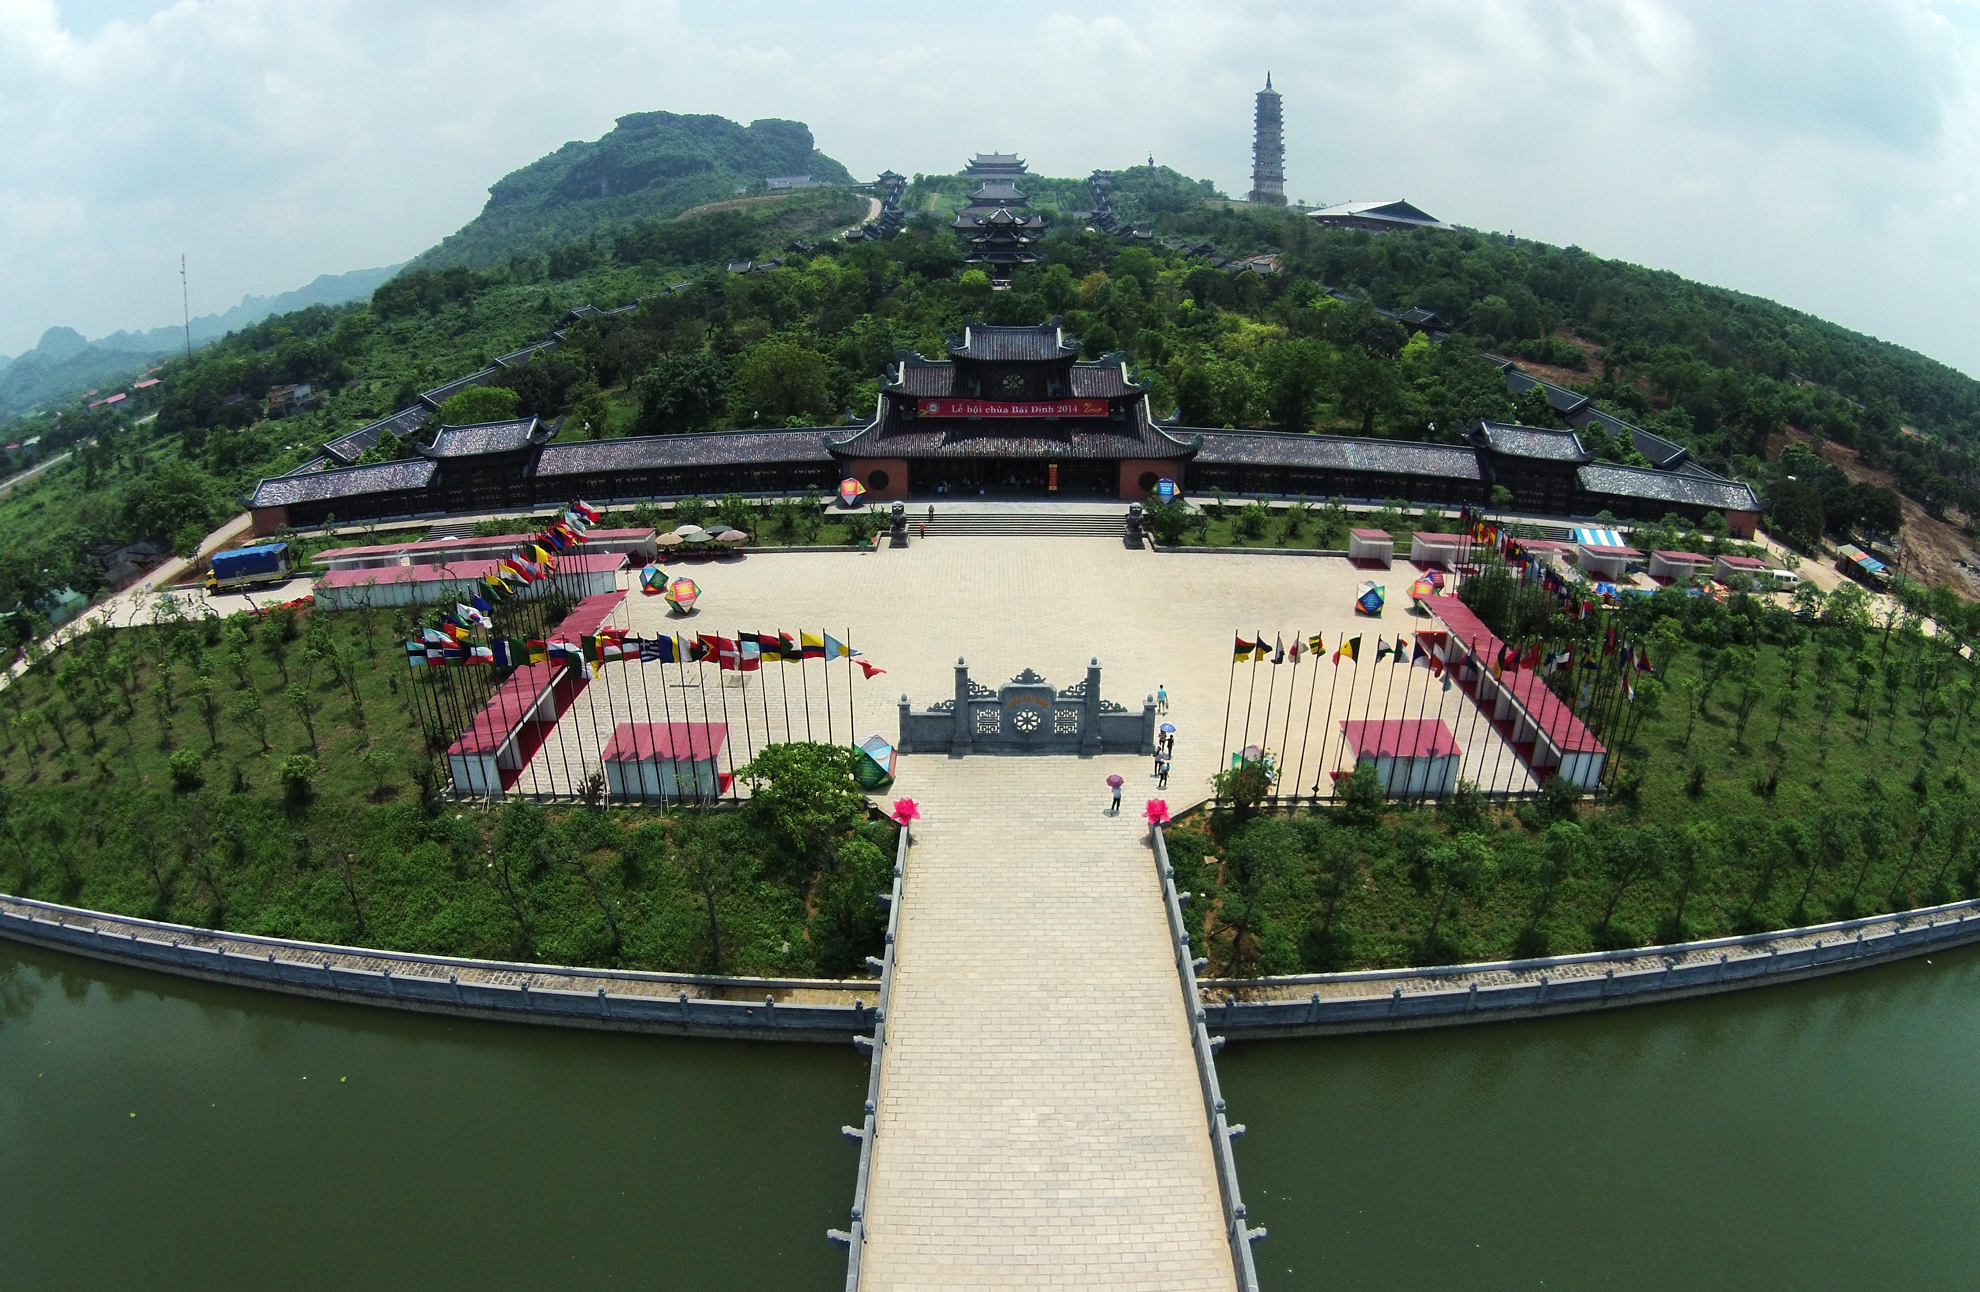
x=782 y=380
x=1294 y=374
x=479 y=404
x=806 y=792
x=682 y=392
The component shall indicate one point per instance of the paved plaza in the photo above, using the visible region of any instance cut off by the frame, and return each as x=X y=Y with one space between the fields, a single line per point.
x=1051 y=604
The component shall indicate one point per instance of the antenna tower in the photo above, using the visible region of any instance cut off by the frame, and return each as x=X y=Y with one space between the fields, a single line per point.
x=185 y=302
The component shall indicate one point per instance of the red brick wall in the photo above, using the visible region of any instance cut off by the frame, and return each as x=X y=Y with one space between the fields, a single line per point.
x=897 y=477
x=1742 y=523
x=269 y=519
x=1132 y=470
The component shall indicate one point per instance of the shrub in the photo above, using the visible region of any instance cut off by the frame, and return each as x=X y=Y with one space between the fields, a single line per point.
x=298 y=778
x=187 y=773
x=690 y=511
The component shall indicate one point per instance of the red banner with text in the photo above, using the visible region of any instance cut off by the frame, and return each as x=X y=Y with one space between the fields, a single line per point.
x=1031 y=408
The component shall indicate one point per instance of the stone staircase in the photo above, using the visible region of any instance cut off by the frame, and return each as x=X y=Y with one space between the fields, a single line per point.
x=1014 y=523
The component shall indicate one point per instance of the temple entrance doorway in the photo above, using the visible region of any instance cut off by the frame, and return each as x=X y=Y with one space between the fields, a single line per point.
x=1015 y=478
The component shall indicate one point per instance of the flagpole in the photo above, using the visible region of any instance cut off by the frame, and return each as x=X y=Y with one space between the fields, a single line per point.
x=784 y=686
x=680 y=665
x=852 y=726
x=1491 y=718
x=1306 y=728
x=1423 y=704
x=1230 y=685
x=804 y=679
x=1271 y=689
x=1250 y=697
x=1477 y=708
x=827 y=670
x=1292 y=694
x=742 y=677
x=763 y=689
x=722 y=690
x=1367 y=704
x=1326 y=725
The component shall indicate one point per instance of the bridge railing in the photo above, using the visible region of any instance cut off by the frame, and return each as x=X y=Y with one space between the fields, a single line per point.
x=1236 y=1225
x=854 y=1239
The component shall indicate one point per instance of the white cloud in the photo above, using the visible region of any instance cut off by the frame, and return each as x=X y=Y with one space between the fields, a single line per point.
x=1821 y=153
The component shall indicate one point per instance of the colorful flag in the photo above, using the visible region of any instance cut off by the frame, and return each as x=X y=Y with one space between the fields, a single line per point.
x=1278 y=650
x=1418 y=657
x=871 y=670
x=1564 y=659
x=749 y=653
x=787 y=649
x=1259 y=649
x=771 y=646
x=1315 y=645
x=1298 y=647
x=588 y=511
x=811 y=647
x=1244 y=649
x=1351 y=649
x=473 y=616
x=480 y=655
x=1401 y=641
x=1381 y=650
x=416 y=654
x=836 y=649
x=661 y=650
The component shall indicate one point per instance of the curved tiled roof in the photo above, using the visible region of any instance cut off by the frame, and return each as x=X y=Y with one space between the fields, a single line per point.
x=440 y=394
x=985 y=341
x=1097 y=380
x=659 y=452
x=1668 y=486
x=1339 y=453
x=484 y=437
x=1532 y=442
x=346 y=482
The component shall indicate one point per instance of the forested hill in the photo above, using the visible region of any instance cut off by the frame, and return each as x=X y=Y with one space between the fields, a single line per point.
x=651 y=165
x=1313 y=345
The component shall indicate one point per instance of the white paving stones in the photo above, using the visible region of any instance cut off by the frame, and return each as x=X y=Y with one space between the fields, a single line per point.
x=1040 y=1122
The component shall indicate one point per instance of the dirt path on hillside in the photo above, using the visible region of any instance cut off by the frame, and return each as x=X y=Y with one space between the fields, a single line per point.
x=1935 y=551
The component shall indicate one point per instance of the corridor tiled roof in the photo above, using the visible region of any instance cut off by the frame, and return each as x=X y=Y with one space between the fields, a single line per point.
x=1338 y=453
x=1667 y=486
x=345 y=482
x=660 y=452
x=405 y=424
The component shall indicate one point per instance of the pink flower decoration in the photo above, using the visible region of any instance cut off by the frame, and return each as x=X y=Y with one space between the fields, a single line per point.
x=1157 y=811
x=906 y=810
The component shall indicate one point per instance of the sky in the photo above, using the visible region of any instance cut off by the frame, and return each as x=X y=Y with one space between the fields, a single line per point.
x=1821 y=153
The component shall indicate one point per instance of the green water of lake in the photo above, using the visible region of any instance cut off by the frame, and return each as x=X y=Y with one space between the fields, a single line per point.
x=1825 y=1135
x=160 y=1133
x=1820 y=1136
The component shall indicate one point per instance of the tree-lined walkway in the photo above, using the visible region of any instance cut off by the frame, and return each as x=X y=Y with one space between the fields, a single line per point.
x=1040 y=1121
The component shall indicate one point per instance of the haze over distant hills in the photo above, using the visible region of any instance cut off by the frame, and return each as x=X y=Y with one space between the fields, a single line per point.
x=653 y=165
x=64 y=364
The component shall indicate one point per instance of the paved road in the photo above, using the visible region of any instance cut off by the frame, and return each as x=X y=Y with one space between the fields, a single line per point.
x=1040 y=1122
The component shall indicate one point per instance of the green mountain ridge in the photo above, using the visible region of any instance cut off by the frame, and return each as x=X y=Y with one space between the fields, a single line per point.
x=651 y=165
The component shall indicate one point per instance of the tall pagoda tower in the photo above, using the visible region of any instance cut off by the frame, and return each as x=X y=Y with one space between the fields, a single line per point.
x=1268 y=151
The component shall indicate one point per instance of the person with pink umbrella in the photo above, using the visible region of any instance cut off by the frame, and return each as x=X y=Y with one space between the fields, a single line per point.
x=1116 y=781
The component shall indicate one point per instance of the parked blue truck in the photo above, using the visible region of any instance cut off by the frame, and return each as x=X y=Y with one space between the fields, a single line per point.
x=248 y=567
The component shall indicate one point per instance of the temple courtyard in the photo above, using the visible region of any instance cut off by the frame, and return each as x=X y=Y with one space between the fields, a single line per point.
x=1152 y=620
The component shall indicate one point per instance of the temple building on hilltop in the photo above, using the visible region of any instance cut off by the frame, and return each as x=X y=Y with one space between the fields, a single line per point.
x=1268 y=151
x=994 y=224
x=1011 y=410
x=1008 y=167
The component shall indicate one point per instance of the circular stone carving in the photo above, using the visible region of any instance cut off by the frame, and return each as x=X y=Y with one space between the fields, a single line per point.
x=877 y=480
x=1026 y=720
x=1149 y=480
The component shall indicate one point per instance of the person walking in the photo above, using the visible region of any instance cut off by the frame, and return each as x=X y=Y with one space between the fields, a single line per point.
x=931 y=513
x=1116 y=808
x=1161 y=699
x=1162 y=775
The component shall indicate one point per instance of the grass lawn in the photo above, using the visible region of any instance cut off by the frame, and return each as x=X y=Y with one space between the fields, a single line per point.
x=130 y=786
